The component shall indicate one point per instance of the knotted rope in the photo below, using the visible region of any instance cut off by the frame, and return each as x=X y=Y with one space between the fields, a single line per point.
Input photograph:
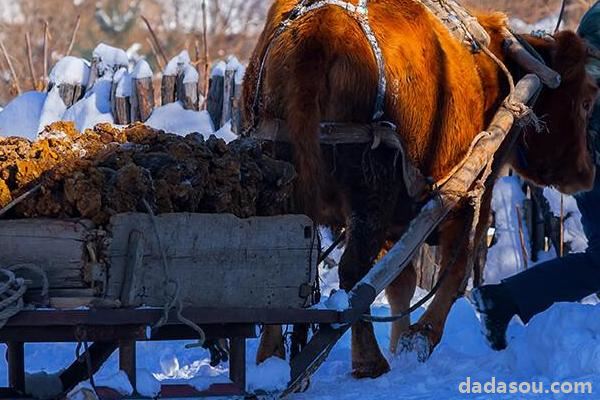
x=13 y=288
x=172 y=297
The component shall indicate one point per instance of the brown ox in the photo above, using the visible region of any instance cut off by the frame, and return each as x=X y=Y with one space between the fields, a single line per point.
x=440 y=97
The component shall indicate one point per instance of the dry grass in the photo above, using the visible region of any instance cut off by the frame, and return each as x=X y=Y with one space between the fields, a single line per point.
x=167 y=18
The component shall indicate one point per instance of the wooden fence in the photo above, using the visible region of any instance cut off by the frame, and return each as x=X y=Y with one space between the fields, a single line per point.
x=133 y=95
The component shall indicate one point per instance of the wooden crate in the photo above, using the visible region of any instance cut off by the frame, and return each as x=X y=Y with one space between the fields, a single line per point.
x=218 y=260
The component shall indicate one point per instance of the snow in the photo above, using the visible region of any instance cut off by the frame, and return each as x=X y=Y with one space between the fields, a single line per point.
x=70 y=70
x=219 y=69
x=177 y=63
x=123 y=79
x=111 y=58
x=573 y=229
x=505 y=257
x=147 y=385
x=141 y=70
x=94 y=108
x=339 y=301
x=119 y=382
x=239 y=75
x=21 y=116
x=53 y=109
x=546 y=24
x=173 y=118
x=270 y=376
x=190 y=75
x=226 y=133
x=560 y=344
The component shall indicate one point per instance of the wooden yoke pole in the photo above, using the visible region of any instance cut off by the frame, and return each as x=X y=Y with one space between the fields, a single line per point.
x=435 y=211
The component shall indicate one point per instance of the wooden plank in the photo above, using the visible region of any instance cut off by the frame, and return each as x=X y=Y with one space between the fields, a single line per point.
x=122 y=110
x=167 y=89
x=228 y=96
x=142 y=99
x=253 y=263
x=15 y=355
x=69 y=93
x=236 y=123
x=58 y=247
x=114 y=333
x=237 y=362
x=187 y=92
x=215 y=99
x=149 y=316
x=132 y=269
x=127 y=360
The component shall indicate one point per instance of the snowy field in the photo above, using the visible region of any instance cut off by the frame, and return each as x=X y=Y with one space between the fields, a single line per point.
x=562 y=344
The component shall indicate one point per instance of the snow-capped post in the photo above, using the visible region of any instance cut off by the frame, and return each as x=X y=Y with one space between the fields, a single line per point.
x=106 y=60
x=168 y=89
x=216 y=93
x=142 y=92
x=228 y=91
x=121 y=97
x=187 y=87
x=234 y=73
x=71 y=76
x=236 y=123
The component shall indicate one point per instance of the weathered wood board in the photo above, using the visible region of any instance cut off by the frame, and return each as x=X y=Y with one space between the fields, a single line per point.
x=218 y=260
x=58 y=247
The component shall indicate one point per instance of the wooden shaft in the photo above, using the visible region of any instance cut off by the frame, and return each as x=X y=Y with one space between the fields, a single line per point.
x=77 y=372
x=15 y=355
x=435 y=211
x=519 y=54
x=127 y=360
x=237 y=362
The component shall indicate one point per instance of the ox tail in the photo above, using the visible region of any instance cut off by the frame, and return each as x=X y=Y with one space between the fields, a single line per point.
x=303 y=118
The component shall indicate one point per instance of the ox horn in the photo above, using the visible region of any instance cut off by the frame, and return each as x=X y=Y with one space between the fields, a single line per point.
x=519 y=54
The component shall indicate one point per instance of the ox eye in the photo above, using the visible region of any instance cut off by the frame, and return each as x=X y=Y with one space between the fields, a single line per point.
x=587 y=106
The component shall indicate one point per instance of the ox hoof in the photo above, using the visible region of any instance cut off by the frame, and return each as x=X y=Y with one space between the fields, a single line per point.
x=363 y=370
x=417 y=343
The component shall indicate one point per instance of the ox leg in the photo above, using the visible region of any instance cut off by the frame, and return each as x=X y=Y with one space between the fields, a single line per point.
x=399 y=294
x=427 y=333
x=271 y=344
x=364 y=241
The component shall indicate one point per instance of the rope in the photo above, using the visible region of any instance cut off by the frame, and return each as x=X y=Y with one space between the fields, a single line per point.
x=172 y=299
x=13 y=288
x=561 y=15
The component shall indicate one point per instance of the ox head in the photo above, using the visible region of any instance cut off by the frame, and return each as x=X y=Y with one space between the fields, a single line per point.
x=559 y=156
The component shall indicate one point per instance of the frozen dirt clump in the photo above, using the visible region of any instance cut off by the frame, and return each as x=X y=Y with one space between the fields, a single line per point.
x=106 y=171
